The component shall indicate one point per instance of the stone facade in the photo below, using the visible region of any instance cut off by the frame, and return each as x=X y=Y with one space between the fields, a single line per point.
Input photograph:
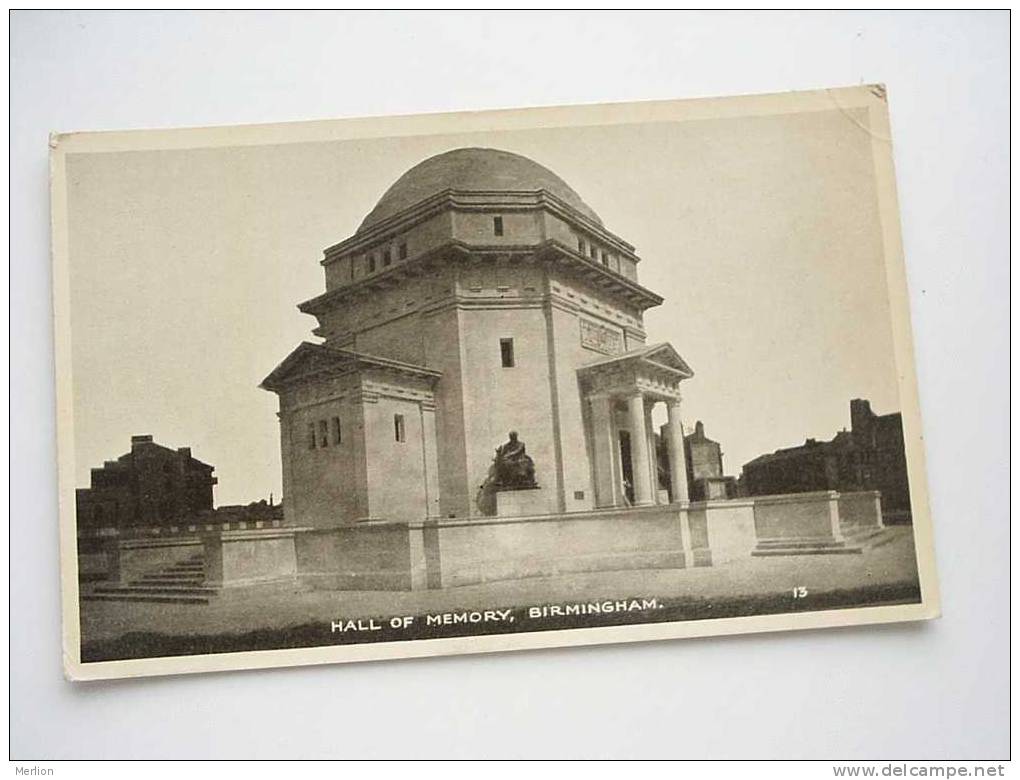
x=481 y=295
x=151 y=485
x=868 y=457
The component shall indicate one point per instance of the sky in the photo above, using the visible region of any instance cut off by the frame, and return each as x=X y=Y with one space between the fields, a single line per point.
x=763 y=235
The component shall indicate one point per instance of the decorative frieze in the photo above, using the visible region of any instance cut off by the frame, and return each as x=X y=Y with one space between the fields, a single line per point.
x=599 y=338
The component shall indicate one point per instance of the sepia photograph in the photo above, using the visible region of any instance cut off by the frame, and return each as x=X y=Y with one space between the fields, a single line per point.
x=451 y=383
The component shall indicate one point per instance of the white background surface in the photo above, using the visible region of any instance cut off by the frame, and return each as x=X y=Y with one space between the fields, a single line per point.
x=938 y=690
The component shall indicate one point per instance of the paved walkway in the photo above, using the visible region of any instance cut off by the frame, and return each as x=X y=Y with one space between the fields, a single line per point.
x=276 y=607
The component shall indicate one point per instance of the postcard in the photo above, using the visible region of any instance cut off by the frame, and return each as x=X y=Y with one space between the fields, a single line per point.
x=425 y=385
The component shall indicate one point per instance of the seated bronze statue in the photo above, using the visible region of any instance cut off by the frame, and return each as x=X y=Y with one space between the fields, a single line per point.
x=512 y=468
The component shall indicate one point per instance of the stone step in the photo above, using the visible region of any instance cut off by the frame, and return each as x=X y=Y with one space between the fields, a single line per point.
x=194 y=590
x=178 y=583
x=759 y=552
x=862 y=533
x=806 y=542
x=162 y=580
x=872 y=537
x=152 y=598
x=888 y=535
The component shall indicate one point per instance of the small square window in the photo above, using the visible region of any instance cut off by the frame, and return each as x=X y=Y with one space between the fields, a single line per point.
x=399 y=431
x=497 y=225
x=402 y=251
x=506 y=352
x=579 y=495
x=337 y=436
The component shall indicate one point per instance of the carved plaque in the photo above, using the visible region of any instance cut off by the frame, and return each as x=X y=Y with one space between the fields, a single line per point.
x=600 y=338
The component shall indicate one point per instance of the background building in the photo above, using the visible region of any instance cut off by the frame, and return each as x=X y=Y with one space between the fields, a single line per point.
x=870 y=456
x=150 y=485
x=705 y=477
x=705 y=467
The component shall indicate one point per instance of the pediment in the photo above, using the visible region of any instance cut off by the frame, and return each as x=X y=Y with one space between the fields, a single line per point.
x=317 y=359
x=658 y=356
x=307 y=359
x=665 y=355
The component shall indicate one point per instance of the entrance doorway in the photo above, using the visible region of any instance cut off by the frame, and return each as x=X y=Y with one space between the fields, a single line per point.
x=626 y=466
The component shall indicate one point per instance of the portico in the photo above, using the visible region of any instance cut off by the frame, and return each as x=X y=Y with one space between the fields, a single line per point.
x=621 y=393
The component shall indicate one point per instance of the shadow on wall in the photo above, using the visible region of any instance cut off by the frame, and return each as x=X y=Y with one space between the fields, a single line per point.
x=485 y=498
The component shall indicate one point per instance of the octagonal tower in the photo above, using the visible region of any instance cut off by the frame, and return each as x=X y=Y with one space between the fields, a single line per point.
x=480 y=295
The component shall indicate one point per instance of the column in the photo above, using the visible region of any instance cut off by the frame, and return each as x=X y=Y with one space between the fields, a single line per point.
x=430 y=458
x=602 y=437
x=653 y=456
x=290 y=508
x=639 y=450
x=677 y=457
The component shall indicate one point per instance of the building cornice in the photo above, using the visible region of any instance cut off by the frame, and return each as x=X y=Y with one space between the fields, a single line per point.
x=550 y=250
x=465 y=200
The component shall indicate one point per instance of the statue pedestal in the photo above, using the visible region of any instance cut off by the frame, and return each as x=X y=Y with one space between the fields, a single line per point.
x=522 y=503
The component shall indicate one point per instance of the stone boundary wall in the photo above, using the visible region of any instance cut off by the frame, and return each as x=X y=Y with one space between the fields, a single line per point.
x=236 y=558
x=467 y=552
x=373 y=555
x=124 y=560
x=860 y=510
x=174 y=531
x=721 y=530
x=444 y=553
x=797 y=516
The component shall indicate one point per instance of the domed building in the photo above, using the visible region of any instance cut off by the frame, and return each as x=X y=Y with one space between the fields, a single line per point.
x=480 y=296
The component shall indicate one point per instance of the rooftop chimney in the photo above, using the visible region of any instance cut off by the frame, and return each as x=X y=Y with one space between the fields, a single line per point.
x=185 y=451
x=145 y=438
x=860 y=413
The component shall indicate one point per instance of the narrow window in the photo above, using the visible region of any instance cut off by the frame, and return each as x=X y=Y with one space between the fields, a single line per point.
x=399 y=434
x=594 y=252
x=323 y=434
x=311 y=436
x=497 y=225
x=605 y=259
x=506 y=352
x=371 y=263
x=387 y=258
x=580 y=245
x=337 y=436
x=402 y=251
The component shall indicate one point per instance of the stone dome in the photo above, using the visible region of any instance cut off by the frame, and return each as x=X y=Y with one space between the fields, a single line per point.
x=477 y=170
